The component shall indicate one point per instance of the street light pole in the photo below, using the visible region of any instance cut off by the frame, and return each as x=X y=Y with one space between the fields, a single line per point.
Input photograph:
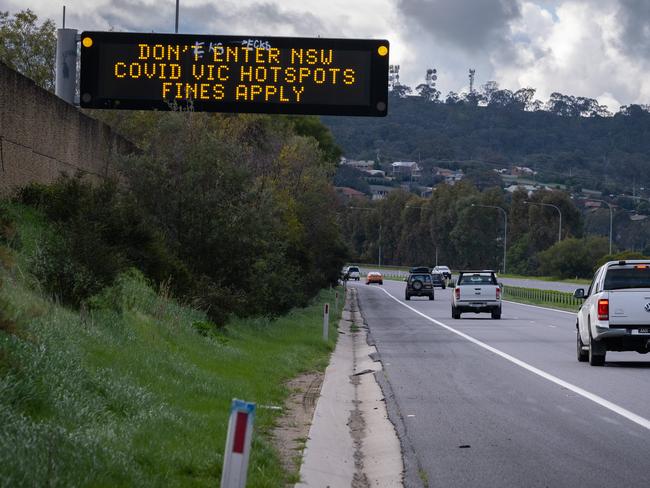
x=176 y=25
x=559 y=234
x=505 y=230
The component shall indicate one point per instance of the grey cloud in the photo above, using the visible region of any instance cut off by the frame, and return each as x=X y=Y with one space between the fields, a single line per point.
x=469 y=24
x=634 y=16
x=209 y=18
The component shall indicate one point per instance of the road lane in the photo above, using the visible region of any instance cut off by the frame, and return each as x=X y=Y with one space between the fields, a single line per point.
x=522 y=429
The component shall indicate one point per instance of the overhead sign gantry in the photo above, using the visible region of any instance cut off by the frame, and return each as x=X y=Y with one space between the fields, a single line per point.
x=234 y=74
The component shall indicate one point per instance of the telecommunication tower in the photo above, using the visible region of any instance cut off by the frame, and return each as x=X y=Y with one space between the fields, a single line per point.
x=431 y=77
x=393 y=75
x=472 y=74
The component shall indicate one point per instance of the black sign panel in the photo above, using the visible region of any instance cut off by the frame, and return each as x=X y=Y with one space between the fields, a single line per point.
x=234 y=74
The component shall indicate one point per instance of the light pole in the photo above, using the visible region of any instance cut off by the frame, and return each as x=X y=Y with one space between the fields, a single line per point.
x=559 y=234
x=379 y=240
x=505 y=230
x=611 y=221
x=176 y=24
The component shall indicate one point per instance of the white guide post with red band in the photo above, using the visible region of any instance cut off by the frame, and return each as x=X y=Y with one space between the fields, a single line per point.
x=238 y=444
x=326 y=321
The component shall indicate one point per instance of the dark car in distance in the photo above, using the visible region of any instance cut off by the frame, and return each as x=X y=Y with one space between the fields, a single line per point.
x=419 y=285
x=438 y=280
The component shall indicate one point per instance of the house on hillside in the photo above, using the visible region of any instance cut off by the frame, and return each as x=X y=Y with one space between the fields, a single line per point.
x=408 y=169
x=375 y=173
x=529 y=189
x=346 y=194
x=450 y=176
x=379 y=192
x=523 y=171
x=360 y=165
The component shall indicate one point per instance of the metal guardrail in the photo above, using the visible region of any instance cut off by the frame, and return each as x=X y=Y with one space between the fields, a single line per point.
x=551 y=297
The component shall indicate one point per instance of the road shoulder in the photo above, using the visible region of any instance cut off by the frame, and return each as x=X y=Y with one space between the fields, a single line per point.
x=351 y=441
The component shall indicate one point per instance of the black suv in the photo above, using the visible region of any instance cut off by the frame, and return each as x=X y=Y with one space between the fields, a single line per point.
x=419 y=285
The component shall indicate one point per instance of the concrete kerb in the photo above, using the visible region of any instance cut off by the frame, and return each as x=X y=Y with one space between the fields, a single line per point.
x=351 y=443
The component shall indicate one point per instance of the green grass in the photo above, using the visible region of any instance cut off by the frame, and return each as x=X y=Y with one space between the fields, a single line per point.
x=136 y=390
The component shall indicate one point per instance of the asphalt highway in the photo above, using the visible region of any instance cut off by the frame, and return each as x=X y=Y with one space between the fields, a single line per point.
x=504 y=403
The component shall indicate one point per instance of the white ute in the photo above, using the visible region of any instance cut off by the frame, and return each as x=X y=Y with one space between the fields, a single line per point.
x=476 y=291
x=615 y=315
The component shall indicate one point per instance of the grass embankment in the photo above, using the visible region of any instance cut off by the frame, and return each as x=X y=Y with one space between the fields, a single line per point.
x=135 y=389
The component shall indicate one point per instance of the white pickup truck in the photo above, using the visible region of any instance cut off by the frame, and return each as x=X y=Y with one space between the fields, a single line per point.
x=615 y=315
x=476 y=291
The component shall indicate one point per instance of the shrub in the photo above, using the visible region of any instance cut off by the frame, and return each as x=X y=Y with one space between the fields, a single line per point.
x=573 y=258
x=97 y=233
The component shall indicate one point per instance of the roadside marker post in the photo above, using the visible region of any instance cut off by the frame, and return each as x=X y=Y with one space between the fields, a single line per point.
x=238 y=444
x=336 y=308
x=326 y=322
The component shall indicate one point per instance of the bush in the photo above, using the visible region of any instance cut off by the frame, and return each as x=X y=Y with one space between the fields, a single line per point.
x=98 y=232
x=573 y=258
x=624 y=255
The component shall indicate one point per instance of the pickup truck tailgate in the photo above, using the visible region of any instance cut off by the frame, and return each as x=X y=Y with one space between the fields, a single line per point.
x=629 y=307
x=478 y=293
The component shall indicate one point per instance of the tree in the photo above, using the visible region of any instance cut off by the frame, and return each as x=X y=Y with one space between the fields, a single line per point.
x=524 y=98
x=489 y=89
x=573 y=258
x=29 y=48
x=400 y=91
x=429 y=93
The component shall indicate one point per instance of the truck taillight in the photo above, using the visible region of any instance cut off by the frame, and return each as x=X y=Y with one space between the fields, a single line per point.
x=457 y=292
x=498 y=293
x=603 y=309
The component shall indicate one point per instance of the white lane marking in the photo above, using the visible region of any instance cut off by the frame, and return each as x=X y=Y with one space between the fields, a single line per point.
x=542 y=308
x=643 y=422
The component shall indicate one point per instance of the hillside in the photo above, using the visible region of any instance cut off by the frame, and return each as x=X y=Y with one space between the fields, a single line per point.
x=610 y=154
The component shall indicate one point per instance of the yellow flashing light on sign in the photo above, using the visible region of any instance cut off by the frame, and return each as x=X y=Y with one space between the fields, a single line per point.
x=87 y=41
x=382 y=50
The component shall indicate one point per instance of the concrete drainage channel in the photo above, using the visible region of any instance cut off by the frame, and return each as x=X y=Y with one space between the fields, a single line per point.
x=351 y=441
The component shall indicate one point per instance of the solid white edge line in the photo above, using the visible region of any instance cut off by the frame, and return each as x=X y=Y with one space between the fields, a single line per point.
x=637 y=419
x=540 y=307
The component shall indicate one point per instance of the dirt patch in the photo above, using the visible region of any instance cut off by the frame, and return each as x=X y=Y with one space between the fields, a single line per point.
x=292 y=428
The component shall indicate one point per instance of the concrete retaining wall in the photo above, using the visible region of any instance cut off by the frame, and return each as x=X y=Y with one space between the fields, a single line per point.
x=41 y=136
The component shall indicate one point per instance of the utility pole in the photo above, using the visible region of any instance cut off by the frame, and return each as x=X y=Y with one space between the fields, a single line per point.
x=176 y=25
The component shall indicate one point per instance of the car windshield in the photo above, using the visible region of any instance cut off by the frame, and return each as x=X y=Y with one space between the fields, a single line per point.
x=478 y=279
x=633 y=277
x=353 y=268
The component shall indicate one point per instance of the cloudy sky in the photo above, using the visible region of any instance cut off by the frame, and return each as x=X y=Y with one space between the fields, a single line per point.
x=594 y=48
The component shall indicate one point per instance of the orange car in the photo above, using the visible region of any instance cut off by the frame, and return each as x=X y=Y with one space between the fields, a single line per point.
x=374 y=277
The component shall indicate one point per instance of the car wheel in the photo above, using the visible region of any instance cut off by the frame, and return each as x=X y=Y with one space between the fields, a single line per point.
x=496 y=315
x=583 y=355
x=417 y=285
x=431 y=297
x=454 y=313
x=407 y=297
x=381 y=282
x=597 y=351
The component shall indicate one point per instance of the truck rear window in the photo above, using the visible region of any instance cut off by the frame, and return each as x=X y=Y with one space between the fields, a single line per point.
x=477 y=280
x=620 y=278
